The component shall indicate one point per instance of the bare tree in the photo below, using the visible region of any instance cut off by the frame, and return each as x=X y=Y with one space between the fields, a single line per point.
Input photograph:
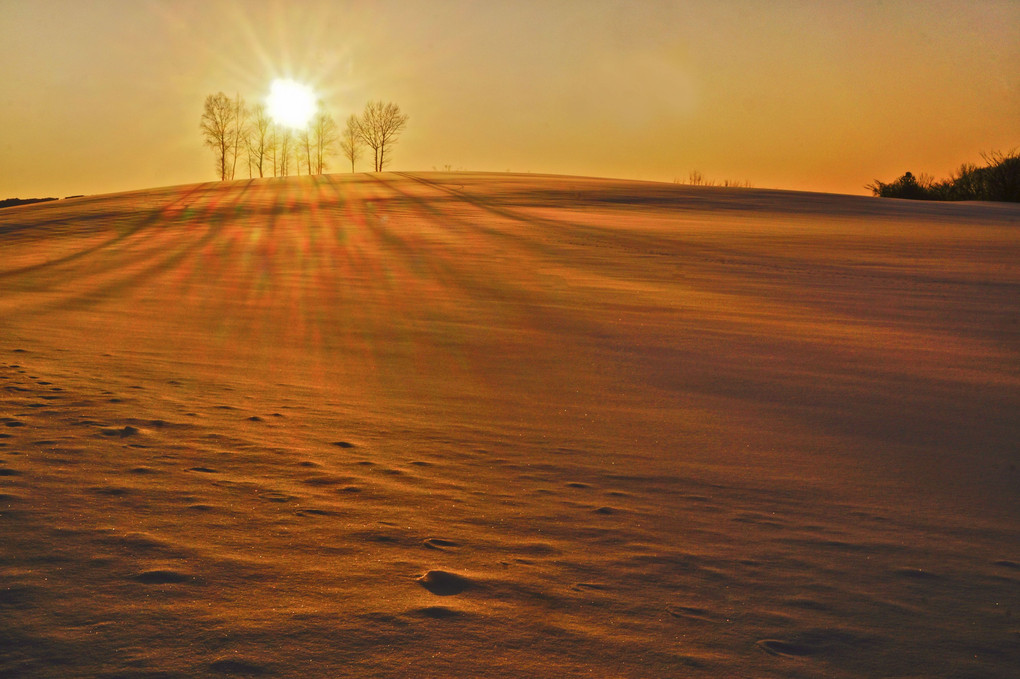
x=284 y=136
x=239 y=131
x=381 y=124
x=391 y=124
x=324 y=135
x=366 y=129
x=259 y=139
x=351 y=140
x=304 y=141
x=275 y=146
x=217 y=125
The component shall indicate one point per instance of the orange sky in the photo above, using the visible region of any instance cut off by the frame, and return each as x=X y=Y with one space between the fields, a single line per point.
x=106 y=95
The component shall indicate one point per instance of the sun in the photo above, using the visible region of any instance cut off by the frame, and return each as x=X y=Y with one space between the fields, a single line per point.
x=291 y=103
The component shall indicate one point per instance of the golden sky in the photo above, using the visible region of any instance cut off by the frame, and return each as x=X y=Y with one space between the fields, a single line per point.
x=105 y=95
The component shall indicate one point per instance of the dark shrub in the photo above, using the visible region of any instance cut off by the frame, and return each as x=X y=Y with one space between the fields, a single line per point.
x=999 y=180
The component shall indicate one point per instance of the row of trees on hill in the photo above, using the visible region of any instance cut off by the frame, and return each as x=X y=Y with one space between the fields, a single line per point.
x=998 y=180
x=243 y=136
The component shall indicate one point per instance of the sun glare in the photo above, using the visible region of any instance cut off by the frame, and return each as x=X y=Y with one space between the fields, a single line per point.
x=290 y=103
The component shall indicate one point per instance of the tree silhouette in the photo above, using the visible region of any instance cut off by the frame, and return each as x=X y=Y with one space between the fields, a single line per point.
x=230 y=127
x=999 y=180
x=284 y=149
x=217 y=127
x=381 y=124
x=239 y=131
x=304 y=139
x=317 y=142
x=259 y=139
x=323 y=137
x=1002 y=175
x=275 y=147
x=351 y=140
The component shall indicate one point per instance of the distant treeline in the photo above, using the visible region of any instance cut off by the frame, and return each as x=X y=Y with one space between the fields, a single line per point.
x=998 y=180
x=11 y=202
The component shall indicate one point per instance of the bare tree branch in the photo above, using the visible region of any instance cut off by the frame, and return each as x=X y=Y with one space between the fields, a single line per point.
x=351 y=140
x=324 y=136
x=217 y=125
x=283 y=136
x=259 y=139
x=239 y=131
x=381 y=125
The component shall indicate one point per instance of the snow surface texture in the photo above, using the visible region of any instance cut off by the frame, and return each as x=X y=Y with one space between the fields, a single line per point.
x=451 y=425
